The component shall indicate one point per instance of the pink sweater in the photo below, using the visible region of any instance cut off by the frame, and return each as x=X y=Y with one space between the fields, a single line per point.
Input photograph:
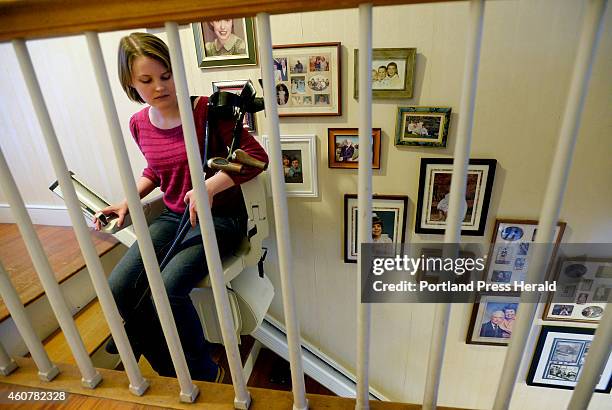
x=167 y=164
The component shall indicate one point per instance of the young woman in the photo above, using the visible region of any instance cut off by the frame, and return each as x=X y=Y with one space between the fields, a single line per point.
x=225 y=42
x=146 y=77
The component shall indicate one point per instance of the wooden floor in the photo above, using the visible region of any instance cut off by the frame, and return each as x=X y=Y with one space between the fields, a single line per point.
x=62 y=249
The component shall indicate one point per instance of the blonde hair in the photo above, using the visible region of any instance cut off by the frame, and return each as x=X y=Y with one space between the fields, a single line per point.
x=139 y=45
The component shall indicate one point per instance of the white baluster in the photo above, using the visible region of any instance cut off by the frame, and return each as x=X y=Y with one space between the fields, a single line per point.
x=46 y=370
x=242 y=397
x=281 y=216
x=364 y=199
x=553 y=201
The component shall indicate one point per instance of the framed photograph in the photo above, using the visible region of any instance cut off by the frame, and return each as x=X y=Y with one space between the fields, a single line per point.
x=583 y=292
x=299 y=164
x=235 y=87
x=422 y=126
x=343 y=148
x=392 y=72
x=224 y=43
x=492 y=320
x=559 y=357
x=511 y=249
x=388 y=222
x=434 y=195
x=307 y=79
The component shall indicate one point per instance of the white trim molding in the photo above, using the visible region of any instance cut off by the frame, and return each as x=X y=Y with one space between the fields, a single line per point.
x=40 y=214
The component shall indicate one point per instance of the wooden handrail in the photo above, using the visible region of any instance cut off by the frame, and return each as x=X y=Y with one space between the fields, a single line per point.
x=51 y=18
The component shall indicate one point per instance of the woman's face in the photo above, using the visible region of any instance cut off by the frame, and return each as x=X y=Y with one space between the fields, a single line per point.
x=154 y=82
x=285 y=162
x=222 y=29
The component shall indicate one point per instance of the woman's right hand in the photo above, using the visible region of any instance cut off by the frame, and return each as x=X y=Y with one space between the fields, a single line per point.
x=120 y=210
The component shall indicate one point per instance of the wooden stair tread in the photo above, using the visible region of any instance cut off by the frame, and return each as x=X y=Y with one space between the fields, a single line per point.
x=93 y=329
x=164 y=391
x=62 y=249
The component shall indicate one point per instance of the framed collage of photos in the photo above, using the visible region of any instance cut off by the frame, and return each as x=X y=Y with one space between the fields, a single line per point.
x=388 y=222
x=307 y=79
x=299 y=156
x=225 y=43
x=422 y=126
x=392 y=72
x=434 y=195
x=559 y=359
x=235 y=87
x=584 y=289
x=343 y=148
x=512 y=247
x=492 y=319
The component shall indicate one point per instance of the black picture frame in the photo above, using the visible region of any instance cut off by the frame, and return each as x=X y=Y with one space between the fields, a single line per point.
x=538 y=368
x=396 y=205
x=479 y=207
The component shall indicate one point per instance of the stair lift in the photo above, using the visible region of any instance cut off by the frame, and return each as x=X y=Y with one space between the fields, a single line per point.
x=250 y=291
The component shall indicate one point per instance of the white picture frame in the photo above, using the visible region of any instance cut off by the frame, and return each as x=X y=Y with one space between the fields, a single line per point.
x=302 y=148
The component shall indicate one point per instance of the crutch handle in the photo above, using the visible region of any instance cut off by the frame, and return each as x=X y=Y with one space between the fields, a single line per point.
x=244 y=158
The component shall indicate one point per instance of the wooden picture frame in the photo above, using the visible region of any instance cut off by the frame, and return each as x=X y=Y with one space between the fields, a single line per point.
x=486 y=327
x=210 y=52
x=401 y=84
x=235 y=87
x=307 y=79
x=584 y=290
x=511 y=247
x=434 y=191
x=422 y=126
x=343 y=147
x=388 y=211
x=559 y=358
x=303 y=149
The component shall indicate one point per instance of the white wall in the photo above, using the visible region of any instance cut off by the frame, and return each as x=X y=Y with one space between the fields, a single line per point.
x=526 y=64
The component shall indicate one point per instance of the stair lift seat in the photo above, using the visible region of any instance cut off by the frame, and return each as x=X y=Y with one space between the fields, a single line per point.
x=250 y=294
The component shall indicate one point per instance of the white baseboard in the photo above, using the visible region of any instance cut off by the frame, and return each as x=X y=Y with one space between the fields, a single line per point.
x=316 y=365
x=40 y=215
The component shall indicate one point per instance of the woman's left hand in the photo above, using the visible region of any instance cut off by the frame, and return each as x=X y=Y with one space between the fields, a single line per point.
x=190 y=200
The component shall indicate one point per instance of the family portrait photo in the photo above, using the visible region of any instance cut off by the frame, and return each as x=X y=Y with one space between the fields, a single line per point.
x=299 y=161
x=292 y=166
x=422 y=126
x=343 y=147
x=388 y=222
x=492 y=319
x=434 y=195
x=581 y=295
x=225 y=42
x=307 y=79
x=392 y=72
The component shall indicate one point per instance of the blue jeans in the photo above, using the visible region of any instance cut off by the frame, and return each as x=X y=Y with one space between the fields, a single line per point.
x=128 y=283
